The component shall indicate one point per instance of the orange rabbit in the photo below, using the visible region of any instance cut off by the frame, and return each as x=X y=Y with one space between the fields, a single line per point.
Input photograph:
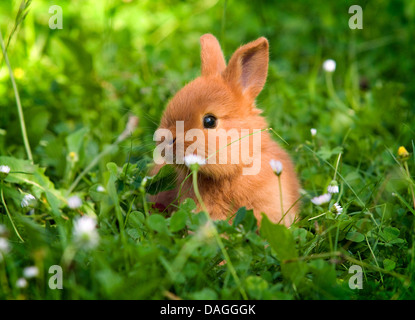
x=223 y=98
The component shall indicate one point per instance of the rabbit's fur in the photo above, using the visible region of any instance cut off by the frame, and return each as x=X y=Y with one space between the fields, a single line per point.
x=228 y=93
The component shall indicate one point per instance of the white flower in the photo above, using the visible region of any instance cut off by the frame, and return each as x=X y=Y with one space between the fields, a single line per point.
x=337 y=208
x=100 y=188
x=85 y=233
x=4 y=169
x=329 y=65
x=192 y=159
x=28 y=200
x=21 y=283
x=333 y=187
x=30 y=272
x=206 y=231
x=74 y=202
x=313 y=132
x=276 y=166
x=4 y=172
x=324 y=198
x=4 y=246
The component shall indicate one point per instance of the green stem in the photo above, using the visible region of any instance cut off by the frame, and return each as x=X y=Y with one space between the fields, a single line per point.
x=4 y=279
x=274 y=132
x=10 y=217
x=374 y=257
x=395 y=194
x=68 y=256
x=197 y=193
x=320 y=215
x=332 y=92
x=337 y=166
x=18 y=103
x=289 y=209
x=90 y=166
x=410 y=182
x=280 y=187
x=341 y=177
x=145 y=205
x=217 y=237
x=94 y=162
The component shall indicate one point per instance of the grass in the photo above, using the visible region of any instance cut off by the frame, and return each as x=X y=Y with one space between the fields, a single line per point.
x=78 y=88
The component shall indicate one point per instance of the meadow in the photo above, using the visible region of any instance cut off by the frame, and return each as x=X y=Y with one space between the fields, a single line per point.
x=79 y=104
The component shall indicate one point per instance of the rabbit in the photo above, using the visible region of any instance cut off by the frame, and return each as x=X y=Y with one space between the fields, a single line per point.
x=224 y=97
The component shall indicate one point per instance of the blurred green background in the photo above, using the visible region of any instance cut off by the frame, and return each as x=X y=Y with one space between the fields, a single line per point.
x=112 y=58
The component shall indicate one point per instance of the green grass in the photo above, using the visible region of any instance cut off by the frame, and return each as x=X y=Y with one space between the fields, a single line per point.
x=78 y=86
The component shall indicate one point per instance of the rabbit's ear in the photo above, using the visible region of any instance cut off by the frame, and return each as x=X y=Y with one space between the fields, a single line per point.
x=248 y=67
x=211 y=54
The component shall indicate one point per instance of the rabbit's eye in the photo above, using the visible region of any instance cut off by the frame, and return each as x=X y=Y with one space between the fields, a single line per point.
x=209 y=121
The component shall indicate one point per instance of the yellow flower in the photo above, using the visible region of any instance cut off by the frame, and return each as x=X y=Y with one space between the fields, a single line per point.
x=18 y=73
x=403 y=154
x=73 y=156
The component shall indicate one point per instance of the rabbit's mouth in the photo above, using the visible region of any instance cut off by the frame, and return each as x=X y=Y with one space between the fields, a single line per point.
x=223 y=155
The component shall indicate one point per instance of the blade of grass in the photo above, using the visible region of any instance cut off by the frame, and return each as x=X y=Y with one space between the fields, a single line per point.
x=395 y=194
x=9 y=215
x=218 y=238
x=21 y=15
x=18 y=103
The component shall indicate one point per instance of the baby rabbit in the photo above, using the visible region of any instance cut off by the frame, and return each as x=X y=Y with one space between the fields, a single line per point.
x=223 y=97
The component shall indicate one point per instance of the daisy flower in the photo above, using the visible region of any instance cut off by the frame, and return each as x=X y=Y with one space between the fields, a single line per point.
x=4 y=171
x=85 y=233
x=333 y=187
x=206 y=231
x=329 y=65
x=324 y=198
x=21 y=283
x=28 y=200
x=276 y=166
x=74 y=202
x=192 y=159
x=30 y=272
x=337 y=208
x=4 y=246
x=313 y=132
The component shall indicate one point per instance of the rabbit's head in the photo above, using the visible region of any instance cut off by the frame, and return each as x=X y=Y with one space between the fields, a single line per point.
x=219 y=104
